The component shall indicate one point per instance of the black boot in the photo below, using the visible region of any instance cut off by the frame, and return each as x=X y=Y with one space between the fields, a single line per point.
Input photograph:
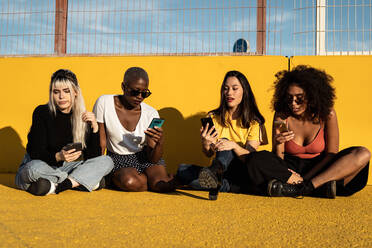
x=327 y=190
x=277 y=188
x=165 y=187
x=65 y=185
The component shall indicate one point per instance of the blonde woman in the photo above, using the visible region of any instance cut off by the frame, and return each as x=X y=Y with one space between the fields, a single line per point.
x=63 y=149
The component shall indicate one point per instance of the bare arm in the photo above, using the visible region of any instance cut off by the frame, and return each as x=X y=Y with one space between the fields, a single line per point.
x=332 y=144
x=279 y=138
x=250 y=146
x=102 y=137
x=155 y=143
x=224 y=145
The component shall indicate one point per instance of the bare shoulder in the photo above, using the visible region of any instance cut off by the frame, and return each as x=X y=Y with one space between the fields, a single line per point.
x=331 y=121
x=332 y=115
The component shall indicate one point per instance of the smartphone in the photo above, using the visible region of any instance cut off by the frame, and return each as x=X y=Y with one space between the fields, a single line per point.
x=77 y=146
x=156 y=122
x=206 y=120
x=282 y=126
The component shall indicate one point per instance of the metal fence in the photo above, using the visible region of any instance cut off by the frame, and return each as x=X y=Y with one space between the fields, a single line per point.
x=332 y=27
x=27 y=27
x=185 y=27
x=160 y=27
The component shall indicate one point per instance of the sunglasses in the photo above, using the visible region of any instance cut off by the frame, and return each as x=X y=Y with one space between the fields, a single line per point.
x=299 y=99
x=133 y=92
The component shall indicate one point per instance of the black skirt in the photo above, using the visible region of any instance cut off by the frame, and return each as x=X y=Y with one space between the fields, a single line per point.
x=138 y=160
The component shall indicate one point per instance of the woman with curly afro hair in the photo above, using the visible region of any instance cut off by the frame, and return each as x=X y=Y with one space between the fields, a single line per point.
x=306 y=158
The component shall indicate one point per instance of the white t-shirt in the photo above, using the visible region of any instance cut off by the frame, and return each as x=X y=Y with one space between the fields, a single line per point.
x=118 y=139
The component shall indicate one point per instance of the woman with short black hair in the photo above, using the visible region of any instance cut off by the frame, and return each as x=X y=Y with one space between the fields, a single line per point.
x=135 y=148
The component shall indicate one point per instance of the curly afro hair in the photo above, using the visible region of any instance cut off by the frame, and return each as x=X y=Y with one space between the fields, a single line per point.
x=319 y=93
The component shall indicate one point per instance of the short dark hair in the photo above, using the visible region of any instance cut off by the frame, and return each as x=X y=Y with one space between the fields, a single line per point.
x=134 y=74
x=316 y=83
x=64 y=74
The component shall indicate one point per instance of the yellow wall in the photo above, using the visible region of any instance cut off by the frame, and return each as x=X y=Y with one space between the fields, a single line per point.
x=184 y=88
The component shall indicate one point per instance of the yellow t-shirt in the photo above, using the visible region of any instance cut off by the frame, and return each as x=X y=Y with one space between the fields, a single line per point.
x=235 y=132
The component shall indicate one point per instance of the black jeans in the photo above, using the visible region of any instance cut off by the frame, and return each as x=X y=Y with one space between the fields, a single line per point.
x=264 y=166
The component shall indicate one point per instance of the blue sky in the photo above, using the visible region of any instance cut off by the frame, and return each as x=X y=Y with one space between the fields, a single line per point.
x=179 y=26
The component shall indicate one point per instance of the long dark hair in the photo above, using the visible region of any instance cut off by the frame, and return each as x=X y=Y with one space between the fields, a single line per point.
x=247 y=109
x=319 y=93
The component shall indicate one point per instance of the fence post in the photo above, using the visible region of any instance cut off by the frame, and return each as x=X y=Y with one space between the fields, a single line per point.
x=60 y=35
x=261 y=27
x=320 y=27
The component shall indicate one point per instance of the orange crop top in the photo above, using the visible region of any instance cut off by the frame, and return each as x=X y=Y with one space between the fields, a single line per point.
x=313 y=149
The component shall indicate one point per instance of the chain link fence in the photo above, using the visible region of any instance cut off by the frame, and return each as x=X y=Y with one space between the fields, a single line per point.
x=185 y=27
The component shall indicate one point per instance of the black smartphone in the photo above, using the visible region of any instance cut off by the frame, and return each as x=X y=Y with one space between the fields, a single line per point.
x=156 y=122
x=206 y=120
x=77 y=146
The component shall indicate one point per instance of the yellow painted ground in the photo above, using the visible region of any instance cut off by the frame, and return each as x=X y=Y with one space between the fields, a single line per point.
x=184 y=219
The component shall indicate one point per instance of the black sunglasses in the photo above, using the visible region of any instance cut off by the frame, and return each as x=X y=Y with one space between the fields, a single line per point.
x=133 y=92
x=299 y=99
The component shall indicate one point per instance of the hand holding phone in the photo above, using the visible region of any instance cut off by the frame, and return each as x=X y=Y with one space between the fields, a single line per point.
x=77 y=146
x=154 y=136
x=208 y=137
x=156 y=122
x=284 y=134
x=205 y=121
x=66 y=153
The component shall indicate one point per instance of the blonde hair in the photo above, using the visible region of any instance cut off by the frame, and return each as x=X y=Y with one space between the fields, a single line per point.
x=66 y=78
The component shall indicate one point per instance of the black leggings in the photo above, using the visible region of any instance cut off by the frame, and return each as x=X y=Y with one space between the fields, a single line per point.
x=264 y=166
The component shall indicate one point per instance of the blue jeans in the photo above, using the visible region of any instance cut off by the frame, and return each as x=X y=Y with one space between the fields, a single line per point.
x=87 y=173
x=188 y=174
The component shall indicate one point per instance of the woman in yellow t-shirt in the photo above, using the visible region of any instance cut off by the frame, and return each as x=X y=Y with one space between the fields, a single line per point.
x=236 y=132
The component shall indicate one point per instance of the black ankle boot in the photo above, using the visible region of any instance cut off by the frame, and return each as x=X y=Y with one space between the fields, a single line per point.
x=165 y=187
x=65 y=185
x=277 y=188
x=327 y=190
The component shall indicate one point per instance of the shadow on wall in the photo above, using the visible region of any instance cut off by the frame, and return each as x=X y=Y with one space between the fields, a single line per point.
x=182 y=139
x=11 y=150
